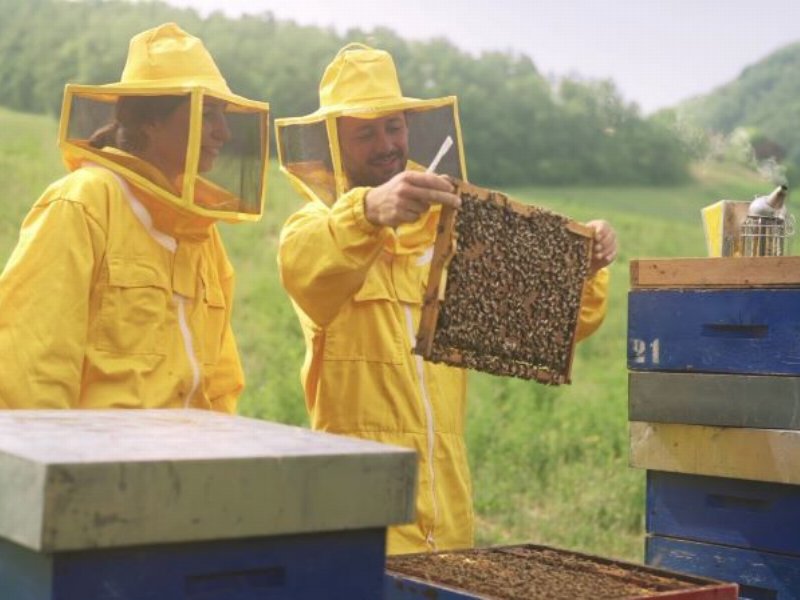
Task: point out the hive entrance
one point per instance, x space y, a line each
505 287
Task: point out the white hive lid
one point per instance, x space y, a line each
104 478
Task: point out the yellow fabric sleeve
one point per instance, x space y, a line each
44 306
594 303
325 253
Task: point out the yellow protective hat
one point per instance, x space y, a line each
168 61
360 81
167 55
168 58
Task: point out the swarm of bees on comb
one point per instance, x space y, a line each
505 287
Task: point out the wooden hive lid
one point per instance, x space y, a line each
725 272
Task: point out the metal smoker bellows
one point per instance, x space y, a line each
767 226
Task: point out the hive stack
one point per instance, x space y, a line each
714 405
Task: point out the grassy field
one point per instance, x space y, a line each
549 464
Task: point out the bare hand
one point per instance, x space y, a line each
604 246
406 197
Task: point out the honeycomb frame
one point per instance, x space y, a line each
510 328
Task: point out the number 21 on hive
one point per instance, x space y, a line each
643 352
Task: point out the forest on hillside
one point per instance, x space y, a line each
519 127
763 104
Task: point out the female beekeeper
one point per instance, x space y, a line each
119 291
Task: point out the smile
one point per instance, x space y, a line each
385 161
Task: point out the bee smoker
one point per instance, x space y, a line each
767 226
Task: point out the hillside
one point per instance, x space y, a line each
764 98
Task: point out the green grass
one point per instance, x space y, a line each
549 464
29 161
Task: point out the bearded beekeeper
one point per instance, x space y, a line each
355 261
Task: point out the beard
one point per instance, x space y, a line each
378 169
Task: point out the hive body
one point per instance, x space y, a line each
192 505
536 572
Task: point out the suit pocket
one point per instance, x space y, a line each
369 328
214 319
135 307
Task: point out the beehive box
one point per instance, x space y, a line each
716 315
537 572
192 505
504 288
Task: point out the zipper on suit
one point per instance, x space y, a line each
188 344
431 439
170 243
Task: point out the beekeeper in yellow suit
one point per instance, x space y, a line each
355 261
119 291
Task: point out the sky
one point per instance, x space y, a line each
658 52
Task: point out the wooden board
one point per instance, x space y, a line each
727 272
739 453
504 288
760 575
715 331
733 512
760 401
82 479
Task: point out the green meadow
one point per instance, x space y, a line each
550 465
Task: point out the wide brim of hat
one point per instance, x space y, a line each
110 92
371 109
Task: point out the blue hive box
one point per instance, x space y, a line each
192 505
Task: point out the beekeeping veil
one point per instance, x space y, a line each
166 62
362 82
